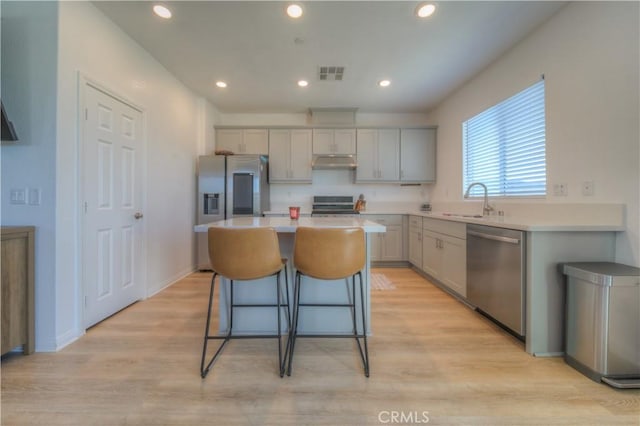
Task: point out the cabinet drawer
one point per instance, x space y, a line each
455 229
385 219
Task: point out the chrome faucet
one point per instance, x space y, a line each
486 208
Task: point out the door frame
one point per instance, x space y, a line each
84 81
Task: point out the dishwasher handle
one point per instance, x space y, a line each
494 237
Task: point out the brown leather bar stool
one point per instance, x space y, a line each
245 254
330 254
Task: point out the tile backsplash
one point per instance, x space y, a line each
341 182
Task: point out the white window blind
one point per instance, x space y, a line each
504 146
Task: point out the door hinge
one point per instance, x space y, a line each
85 301
85 206
86 113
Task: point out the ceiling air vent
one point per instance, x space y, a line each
330 73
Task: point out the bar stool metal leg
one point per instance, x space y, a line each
205 370
365 355
294 330
362 346
283 360
282 354
228 248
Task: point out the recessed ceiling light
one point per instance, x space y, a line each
221 84
162 11
424 10
294 10
384 83
303 83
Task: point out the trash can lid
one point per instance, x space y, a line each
603 273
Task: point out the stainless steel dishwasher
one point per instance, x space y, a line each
496 274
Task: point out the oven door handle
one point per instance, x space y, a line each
494 237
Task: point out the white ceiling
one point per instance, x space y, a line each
252 46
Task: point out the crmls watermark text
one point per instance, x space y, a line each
403 417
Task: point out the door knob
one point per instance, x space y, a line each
138 215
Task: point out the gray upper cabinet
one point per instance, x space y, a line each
378 155
243 141
290 156
417 155
334 141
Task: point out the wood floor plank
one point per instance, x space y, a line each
430 355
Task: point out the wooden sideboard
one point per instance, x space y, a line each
18 316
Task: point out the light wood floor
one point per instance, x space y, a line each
431 359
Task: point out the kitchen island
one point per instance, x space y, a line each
320 321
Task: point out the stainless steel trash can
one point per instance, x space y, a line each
602 335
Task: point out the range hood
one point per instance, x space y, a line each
334 161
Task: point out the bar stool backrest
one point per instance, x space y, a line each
244 253
329 253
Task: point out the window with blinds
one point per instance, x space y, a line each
504 147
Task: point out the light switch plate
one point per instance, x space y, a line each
18 196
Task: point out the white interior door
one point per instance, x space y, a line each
112 158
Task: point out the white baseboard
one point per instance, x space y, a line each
172 280
66 339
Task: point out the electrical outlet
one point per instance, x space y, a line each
587 188
34 196
560 190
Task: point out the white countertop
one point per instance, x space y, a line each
558 224
543 217
284 224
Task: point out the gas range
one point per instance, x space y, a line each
333 205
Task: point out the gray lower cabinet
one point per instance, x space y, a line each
415 241
388 246
444 253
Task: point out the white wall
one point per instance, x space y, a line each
335 182
29 49
92 45
589 54
209 116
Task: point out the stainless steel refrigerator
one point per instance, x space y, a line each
229 186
